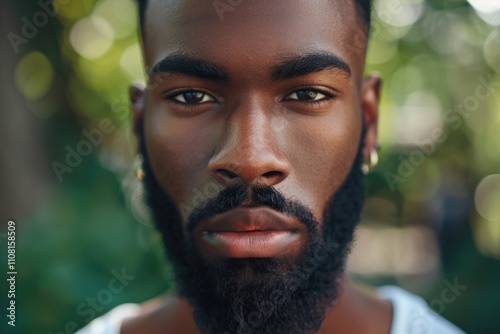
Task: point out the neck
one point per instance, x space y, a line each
357 310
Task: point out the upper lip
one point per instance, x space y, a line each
250 219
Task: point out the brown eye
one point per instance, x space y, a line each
193 97
306 95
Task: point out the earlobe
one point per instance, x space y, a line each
370 102
137 94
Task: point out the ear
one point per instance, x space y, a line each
370 98
137 95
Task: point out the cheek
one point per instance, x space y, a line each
177 150
324 151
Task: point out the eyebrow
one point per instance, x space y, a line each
182 64
288 68
306 64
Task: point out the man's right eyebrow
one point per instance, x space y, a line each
193 67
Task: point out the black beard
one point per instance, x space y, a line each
260 295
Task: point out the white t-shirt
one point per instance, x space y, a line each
411 316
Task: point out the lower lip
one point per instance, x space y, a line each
251 244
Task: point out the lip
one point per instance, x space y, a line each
250 232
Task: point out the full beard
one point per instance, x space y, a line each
260 295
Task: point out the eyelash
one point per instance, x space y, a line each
170 97
328 96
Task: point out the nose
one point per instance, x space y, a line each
249 151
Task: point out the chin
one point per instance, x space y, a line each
289 293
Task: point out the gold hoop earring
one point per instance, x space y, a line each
137 165
372 162
139 174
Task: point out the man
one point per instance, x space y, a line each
255 127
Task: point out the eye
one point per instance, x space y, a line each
307 95
192 97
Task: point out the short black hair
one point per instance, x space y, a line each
364 8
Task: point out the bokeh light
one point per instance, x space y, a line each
34 75
131 63
487 198
487 10
120 14
491 50
399 13
92 36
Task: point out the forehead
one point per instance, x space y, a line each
249 34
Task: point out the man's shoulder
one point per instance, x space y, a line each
153 316
111 322
412 315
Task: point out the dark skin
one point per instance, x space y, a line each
296 132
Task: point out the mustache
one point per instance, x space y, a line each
237 194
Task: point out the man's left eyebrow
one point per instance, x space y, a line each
306 64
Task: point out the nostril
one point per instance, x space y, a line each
272 174
226 173
273 177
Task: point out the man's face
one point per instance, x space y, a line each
261 103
